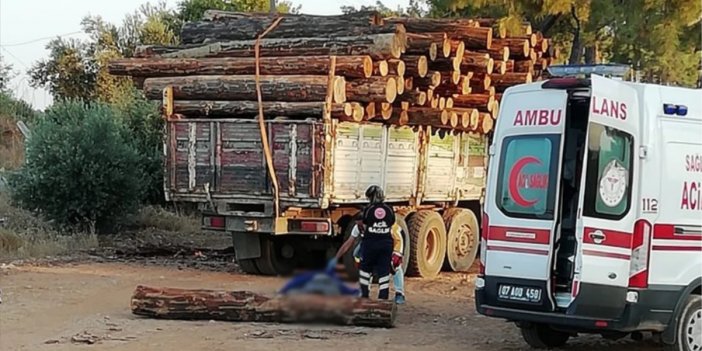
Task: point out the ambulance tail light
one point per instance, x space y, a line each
640 251
483 241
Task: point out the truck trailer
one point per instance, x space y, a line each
434 179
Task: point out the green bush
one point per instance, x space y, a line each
81 171
144 126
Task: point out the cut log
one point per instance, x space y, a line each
363 17
428 25
497 53
370 111
427 116
480 81
465 116
398 118
297 26
518 48
500 67
349 66
461 29
524 66
445 64
204 108
273 88
477 101
498 26
486 123
482 90
244 306
442 103
400 82
416 66
454 119
414 97
432 80
423 44
380 68
452 48
509 66
385 110
449 102
378 46
354 112
397 67
409 83
372 89
495 109
504 81
477 64
450 87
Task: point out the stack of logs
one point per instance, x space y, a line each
445 73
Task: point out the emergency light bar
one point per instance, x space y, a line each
609 69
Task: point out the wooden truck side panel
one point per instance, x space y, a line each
223 160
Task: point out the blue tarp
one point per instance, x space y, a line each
318 282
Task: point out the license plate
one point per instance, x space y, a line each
519 293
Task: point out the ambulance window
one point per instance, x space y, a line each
527 176
608 178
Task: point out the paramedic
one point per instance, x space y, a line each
376 222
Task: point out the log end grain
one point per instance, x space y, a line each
391 90
400 85
385 110
445 117
433 51
381 68
453 119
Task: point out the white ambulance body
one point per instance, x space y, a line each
593 214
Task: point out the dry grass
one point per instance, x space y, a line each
24 235
151 217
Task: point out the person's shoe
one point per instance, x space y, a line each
399 299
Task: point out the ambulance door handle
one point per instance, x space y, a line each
597 236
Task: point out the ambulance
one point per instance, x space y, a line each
592 220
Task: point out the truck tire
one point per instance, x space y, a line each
248 266
272 260
427 244
688 328
540 336
463 238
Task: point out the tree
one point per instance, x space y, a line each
660 39
192 10
68 73
6 74
413 10
80 172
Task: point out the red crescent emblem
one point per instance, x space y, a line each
514 181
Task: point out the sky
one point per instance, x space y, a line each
26 26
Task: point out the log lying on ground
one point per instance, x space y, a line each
244 306
273 88
348 66
378 46
296 26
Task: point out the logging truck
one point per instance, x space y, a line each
434 179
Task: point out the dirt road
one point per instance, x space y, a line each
67 307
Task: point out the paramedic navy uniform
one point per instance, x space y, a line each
377 246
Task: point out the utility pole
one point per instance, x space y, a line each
272 4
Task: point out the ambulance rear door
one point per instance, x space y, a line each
607 208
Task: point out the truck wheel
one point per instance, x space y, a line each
463 238
427 244
688 331
406 241
276 257
248 266
541 336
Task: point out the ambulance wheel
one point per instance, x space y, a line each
540 336
688 331
463 238
427 244
248 266
277 258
